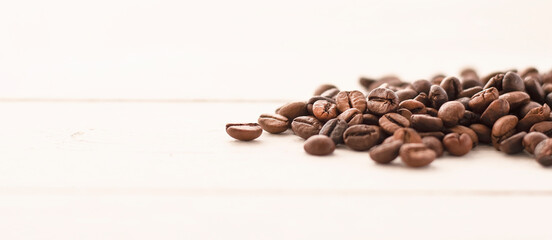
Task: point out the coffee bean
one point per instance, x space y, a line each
543 152
386 152
512 82
366 82
487 77
382 101
387 80
426 123
330 93
434 144
273 123
534 116
494 111
361 137
547 88
495 82
407 135
464 130
390 122
334 129
413 106
483 132
465 101
529 72
416 155
437 96
423 98
312 100
457 145
548 99
530 141
470 92
534 89
527 107
322 88
432 112
319 145
244 131
438 135
293 109
305 126
451 112
503 128
452 87
350 99
352 116
324 110
421 86
405 94
468 75
481 100
370 119
513 145
543 127
437 79
516 99
404 112
469 118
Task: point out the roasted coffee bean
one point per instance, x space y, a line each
370 119
352 116
405 94
293 109
334 129
494 111
350 99
421 86
437 79
457 145
382 101
495 82
512 82
547 77
305 126
386 152
470 92
438 135
361 137
330 93
434 144
452 87
451 112
543 152
426 123
273 123
324 110
423 98
437 96
244 131
543 127
513 145
416 155
534 89
464 130
404 112
530 141
432 112
387 80
530 71
407 135
413 106
483 132
319 145
481 100
469 74
366 82
548 99
469 118
322 88
465 101
486 78
547 88
503 128
390 122
534 116
516 99
312 100
527 107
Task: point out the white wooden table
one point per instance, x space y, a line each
167 170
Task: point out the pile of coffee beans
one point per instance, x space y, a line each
421 120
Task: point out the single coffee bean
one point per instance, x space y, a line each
330 93
543 152
413 106
312 100
390 122
352 116
244 131
334 129
273 123
464 130
481 100
421 86
452 87
437 96
388 80
322 88
324 110
503 128
438 135
382 101
423 98
416 155
469 118
293 109
457 145
516 99
434 144
404 112
370 119
534 89
470 92
432 112
465 101
487 78
361 137
366 82
527 107
530 141
426 123
350 99
407 135
386 152
469 74
451 112
530 71
494 111
543 127
305 126
495 82
405 94
512 82
513 145
437 79
534 116
319 145
483 132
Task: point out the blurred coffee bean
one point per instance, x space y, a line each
413 106
451 112
407 135
534 89
421 86
322 88
543 152
464 130
319 145
438 135
244 131
512 82
452 87
483 132
434 144
513 145
370 119
390 122
503 128
469 92
530 141
416 155
405 94
534 116
543 127
293 109
527 107
457 145
495 82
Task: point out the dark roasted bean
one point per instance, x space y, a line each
437 96
483 132
426 123
494 111
512 82
452 87
513 145
382 101
543 152
516 99
531 140
334 129
503 128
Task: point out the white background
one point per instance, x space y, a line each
255 49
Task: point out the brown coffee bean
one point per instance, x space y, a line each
464 130
547 88
516 99
437 79
470 92
312 100
469 118
467 75
350 99
386 152
382 101
481 100
434 144
416 155
534 89
452 87
438 135
322 88
319 145
407 135
423 98
426 123
495 82
404 112
530 71
390 122
451 112
421 86
527 107
513 144
457 145
543 152
543 127
465 101
244 131
548 98
487 78
334 129
330 93
437 96
366 82
293 109
413 106
432 112
324 110
386 80
483 132
512 82
361 137
531 140
273 123
405 94
503 128
306 126
494 111
534 116
352 116
370 119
